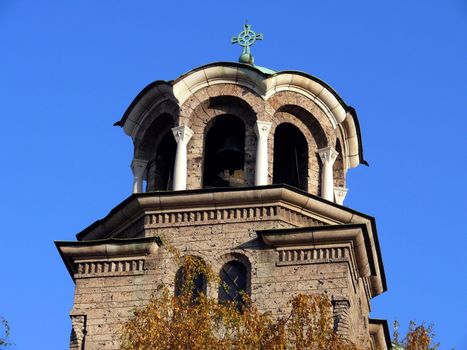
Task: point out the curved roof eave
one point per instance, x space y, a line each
348 109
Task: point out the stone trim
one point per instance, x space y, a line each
341 316
107 257
307 255
78 331
104 268
355 235
379 334
226 215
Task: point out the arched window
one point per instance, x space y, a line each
198 285
290 156
233 282
225 153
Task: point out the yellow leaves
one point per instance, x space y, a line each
419 337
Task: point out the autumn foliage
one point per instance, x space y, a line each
188 319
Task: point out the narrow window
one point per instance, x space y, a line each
164 162
290 156
233 282
225 153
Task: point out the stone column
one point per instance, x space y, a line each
138 167
328 155
262 129
182 135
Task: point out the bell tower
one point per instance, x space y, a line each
245 168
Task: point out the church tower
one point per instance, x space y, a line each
245 168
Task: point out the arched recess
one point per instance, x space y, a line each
290 165
315 136
196 287
224 153
158 147
234 280
204 106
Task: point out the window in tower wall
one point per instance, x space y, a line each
233 283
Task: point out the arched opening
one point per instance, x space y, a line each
233 286
164 162
197 284
158 146
290 156
225 153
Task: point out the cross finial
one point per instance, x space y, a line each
246 38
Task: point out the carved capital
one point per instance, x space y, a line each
339 194
182 133
328 155
262 129
138 167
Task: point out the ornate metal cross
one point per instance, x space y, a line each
246 38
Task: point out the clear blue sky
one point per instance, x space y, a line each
69 69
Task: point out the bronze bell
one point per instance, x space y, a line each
231 144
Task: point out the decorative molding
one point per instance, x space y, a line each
234 215
291 256
78 332
109 257
328 154
101 268
262 128
307 245
298 256
341 316
182 133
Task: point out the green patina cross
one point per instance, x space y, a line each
246 38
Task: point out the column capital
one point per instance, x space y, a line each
339 194
182 133
262 128
328 154
138 166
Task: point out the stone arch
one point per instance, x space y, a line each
150 126
224 152
315 136
282 99
199 111
290 164
158 148
235 258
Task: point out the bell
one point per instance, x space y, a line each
231 145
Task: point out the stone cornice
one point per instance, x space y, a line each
118 250
357 235
206 202
302 202
379 331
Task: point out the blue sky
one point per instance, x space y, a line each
69 69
